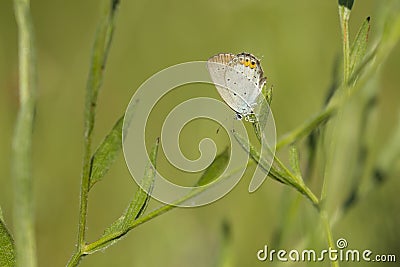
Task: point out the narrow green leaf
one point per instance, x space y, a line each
279 172
106 153
215 169
359 46
344 16
139 203
362 66
7 250
249 148
307 127
100 51
264 111
267 93
115 226
129 116
294 161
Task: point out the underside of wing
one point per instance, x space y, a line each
217 66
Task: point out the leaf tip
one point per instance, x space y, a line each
346 3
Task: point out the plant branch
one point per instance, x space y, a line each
328 233
99 57
307 127
297 183
114 236
22 142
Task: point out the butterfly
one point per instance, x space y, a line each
239 80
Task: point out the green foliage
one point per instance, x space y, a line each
142 197
278 170
215 169
359 46
101 47
100 51
7 250
139 203
355 65
132 216
22 140
359 67
105 154
294 161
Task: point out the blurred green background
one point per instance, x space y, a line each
298 42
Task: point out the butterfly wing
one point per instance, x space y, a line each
217 66
245 78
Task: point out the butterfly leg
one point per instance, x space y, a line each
238 116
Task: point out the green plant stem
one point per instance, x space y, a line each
334 104
301 187
344 16
22 143
282 173
92 247
328 233
299 184
307 126
99 56
99 244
